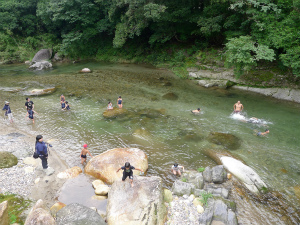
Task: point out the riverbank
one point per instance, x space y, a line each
27 178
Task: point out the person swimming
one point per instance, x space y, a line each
259 133
196 111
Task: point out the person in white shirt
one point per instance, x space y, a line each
176 169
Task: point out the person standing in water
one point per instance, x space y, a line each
29 104
120 102
176 169
8 112
127 172
41 150
83 153
67 107
238 107
63 105
62 99
30 113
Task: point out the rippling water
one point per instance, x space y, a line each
165 129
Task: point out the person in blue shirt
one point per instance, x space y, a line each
8 111
41 150
128 172
67 106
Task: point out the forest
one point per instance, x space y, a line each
246 32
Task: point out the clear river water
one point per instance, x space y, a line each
164 128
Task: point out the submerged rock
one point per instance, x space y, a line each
85 70
105 165
41 65
115 112
138 205
7 160
77 214
170 96
229 141
41 91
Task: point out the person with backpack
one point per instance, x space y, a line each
41 150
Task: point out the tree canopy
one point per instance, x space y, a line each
250 30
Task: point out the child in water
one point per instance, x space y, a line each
120 101
83 153
67 106
30 113
262 133
196 111
63 104
128 172
176 169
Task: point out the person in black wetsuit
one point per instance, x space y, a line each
128 172
29 104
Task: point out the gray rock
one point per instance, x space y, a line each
4 213
41 55
220 211
57 57
225 193
198 192
141 204
207 174
41 65
194 177
182 188
218 174
231 218
76 214
206 217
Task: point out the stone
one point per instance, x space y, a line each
213 83
191 197
170 96
297 191
200 209
105 165
102 190
85 70
39 215
77 214
7 160
37 180
207 174
220 211
49 171
146 207
168 197
114 113
218 174
41 91
27 62
29 169
215 222
244 173
182 188
4 219
198 201
41 55
70 173
231 218
206 216
99 197
194 177
224 193
31 161
199 192
228 141
96 183
41 65
56 207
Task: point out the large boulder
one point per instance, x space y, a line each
182 188
4 213
219 175
77 214
39 215
138 205
70 173
7 160
42 55
207 174
105 165
228 141
194 177
41 65
244 173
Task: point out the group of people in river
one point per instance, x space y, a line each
119 102
64 104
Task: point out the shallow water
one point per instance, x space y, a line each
165 129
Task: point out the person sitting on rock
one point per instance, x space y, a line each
196 111
127 172
109 106
176 169
83 153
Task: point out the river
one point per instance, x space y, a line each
165 129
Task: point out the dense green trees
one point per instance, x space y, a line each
250 30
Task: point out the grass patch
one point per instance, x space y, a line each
16 205
200 169
184 179
205 197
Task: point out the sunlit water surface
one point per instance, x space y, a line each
165 130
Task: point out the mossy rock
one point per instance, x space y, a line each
115 112
170 96
228 141
7 160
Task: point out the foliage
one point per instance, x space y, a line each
184 179
200 169
16 205
205 197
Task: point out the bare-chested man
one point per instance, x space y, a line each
238 107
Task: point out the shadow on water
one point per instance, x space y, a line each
159 119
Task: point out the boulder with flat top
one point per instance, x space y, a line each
42 55
141 204
105 165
